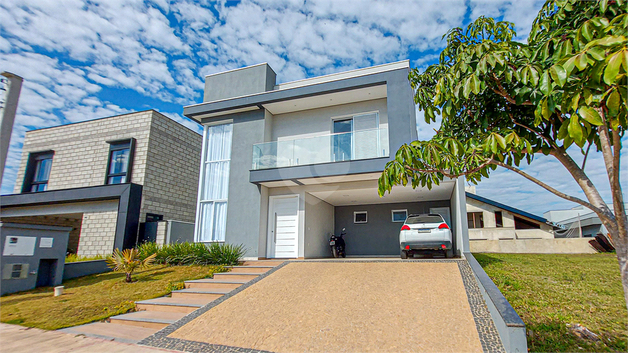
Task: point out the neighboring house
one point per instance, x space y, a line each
285 165
491 220
109 179
577 222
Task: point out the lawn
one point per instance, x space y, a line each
95 297
551 291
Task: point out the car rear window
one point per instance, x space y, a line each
424 219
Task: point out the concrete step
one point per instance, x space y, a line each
250 269
149 319
110 331
210 284
228 276
177 305
262 263
200 293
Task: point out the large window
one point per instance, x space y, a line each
475 220
214 184
38 172
120 162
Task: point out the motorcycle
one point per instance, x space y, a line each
337 244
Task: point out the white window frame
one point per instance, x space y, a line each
202 176
392 215
361 212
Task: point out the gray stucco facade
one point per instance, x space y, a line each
48 254
256 106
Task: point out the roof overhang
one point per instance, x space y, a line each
352 89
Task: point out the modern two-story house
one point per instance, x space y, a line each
115 181
286 165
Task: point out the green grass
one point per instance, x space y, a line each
551 291
77 258
96 297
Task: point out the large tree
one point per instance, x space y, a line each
504 102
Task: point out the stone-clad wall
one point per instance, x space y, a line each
82 152
172 169
98 233
166 162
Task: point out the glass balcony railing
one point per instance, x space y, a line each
349 146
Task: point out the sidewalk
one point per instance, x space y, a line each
18 339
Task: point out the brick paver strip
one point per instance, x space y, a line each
297 309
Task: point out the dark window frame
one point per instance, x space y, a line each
33 160
499 219
478 222
118 145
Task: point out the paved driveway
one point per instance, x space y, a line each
420 306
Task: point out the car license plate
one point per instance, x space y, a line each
423 230
332 243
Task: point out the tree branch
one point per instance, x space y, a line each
546 187
550 142
584 161
502 92
448 174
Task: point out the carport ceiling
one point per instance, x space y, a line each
369 196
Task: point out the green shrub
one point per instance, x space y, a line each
193 253
146 249
77 258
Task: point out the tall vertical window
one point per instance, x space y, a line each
120 162
38 172
214 187
499 219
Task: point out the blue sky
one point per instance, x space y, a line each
86 60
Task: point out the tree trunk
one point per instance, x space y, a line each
128 277
621 248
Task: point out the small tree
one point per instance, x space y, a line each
128 261
503 102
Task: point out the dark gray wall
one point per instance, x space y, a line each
180 232
84 268
240 82
243 210
380 235
59 247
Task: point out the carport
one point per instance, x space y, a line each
300 215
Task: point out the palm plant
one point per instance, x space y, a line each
128 261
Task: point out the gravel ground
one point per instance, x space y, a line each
345 307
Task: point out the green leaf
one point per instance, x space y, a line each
545 110
534 76
581 61
612 103
545 84
574 102
575 129
596 53
500 140
612 69
603 5
477 85
467 88
590 115
558 74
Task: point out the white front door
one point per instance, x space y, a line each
283 226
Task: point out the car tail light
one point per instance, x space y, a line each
405 227
443 226
443 246
407 247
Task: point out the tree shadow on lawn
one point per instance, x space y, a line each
550 335
485 259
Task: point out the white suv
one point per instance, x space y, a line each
425 232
